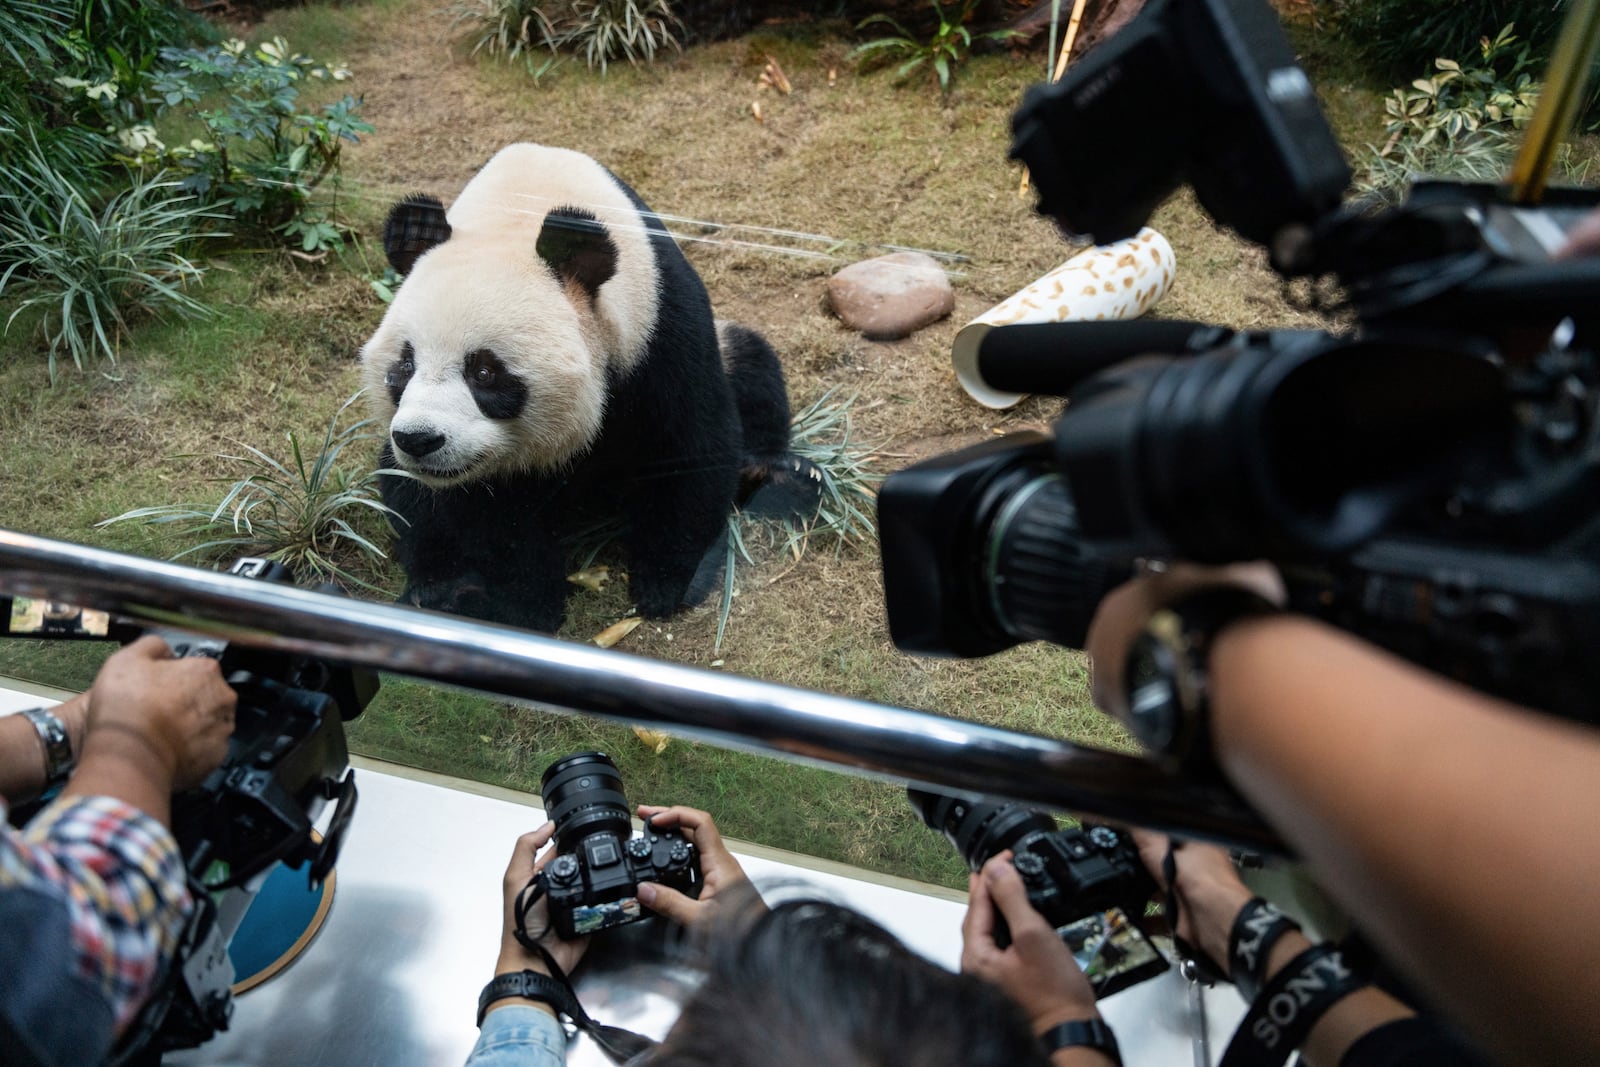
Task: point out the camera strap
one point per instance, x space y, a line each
618 1044
1284 1013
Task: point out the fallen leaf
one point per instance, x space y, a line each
486 739
591 578
657 740
617 631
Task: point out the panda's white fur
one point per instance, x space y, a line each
487 288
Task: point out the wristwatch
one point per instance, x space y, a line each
1166 677
530 985
58 760
1084 1033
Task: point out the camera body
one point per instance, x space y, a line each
1089 883
592 883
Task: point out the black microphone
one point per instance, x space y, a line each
1053 357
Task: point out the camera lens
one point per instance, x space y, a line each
976 828
1040 579
582 796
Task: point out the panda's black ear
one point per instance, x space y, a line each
414 225
578 248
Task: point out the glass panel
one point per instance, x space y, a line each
580 449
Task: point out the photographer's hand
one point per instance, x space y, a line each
156 725
1209 890
718 868
1036 970
525 864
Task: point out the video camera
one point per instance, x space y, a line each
1427 479
1088 883
593 881
286 761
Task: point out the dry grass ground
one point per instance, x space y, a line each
848 157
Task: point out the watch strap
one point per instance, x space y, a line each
1188 629
58 759
528 985
1082 1033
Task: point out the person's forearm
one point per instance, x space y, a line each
21 760
1458 831
123 764
22 755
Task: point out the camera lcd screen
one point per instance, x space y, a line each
31 617
1113 952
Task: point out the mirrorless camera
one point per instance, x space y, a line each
1428 478
1088 883
593 882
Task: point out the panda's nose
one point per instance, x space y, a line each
418 443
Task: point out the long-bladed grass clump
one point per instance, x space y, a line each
822 435
89 268
303 513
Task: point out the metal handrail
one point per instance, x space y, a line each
919 747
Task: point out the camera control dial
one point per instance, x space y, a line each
1031 867
564 869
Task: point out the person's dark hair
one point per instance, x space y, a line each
811 982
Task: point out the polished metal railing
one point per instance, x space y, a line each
931 750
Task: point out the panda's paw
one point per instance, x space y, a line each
658 595
784 487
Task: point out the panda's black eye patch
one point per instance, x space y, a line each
400 372
498 393
483 367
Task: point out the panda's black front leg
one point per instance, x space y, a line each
673 523
464 557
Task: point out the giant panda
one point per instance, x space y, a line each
551 361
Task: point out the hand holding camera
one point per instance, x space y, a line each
718 868
1034 967
592 881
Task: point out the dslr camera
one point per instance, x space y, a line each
592 884
1088 883
1427 478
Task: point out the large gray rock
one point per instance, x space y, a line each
889 297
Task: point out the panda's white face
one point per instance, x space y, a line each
495 355
484 365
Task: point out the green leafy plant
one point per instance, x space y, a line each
302 513
91 267
948 47
39 50
821 434
1463 121
263 155
1397 36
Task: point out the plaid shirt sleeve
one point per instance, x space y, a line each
120 878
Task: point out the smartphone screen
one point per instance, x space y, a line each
1113 952
29 617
